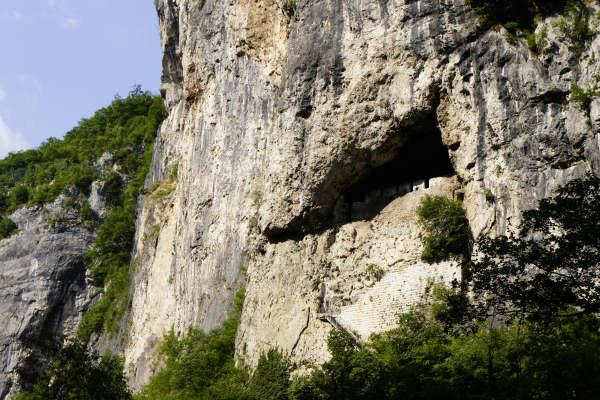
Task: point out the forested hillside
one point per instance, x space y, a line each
125 130
105 157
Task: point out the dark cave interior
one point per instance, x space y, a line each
423 157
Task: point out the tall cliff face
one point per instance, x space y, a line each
305 135
44 291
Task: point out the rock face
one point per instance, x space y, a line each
305 137
43 282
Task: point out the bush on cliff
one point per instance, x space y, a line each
518 13
519 18
446 229
7 227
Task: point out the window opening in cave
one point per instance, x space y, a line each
423 157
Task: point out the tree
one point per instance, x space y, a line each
19 195
446 228
77 373
551 266
271 379
7 227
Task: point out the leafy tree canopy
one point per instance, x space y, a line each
7 227
125 129
552 265
446 229
77 373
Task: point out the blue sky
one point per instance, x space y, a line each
63 59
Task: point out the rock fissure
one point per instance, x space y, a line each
301 332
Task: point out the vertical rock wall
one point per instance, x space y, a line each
276 114
43 286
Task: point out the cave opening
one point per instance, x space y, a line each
421 158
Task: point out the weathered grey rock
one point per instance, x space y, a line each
297 136
43 288
97 198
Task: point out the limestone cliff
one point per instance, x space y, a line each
306 133
44 291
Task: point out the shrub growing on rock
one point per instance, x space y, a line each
446 229
7 227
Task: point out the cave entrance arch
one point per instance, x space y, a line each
421 158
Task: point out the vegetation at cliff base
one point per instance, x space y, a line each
449 347
77 373
200 365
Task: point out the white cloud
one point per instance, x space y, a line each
52 3
10 141
71 22
2 94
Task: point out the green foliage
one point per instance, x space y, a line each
582 98
316 285
551 265
106 313
113 189
352 372
574 27
289 6
489 196
516 14
420 359
200 365
78 373
87 215
125 129
256 197
450 306
303 388
271 380
151 234
375 272
172 171
446 228
160 194
536 42
519 17
7 227
18 196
